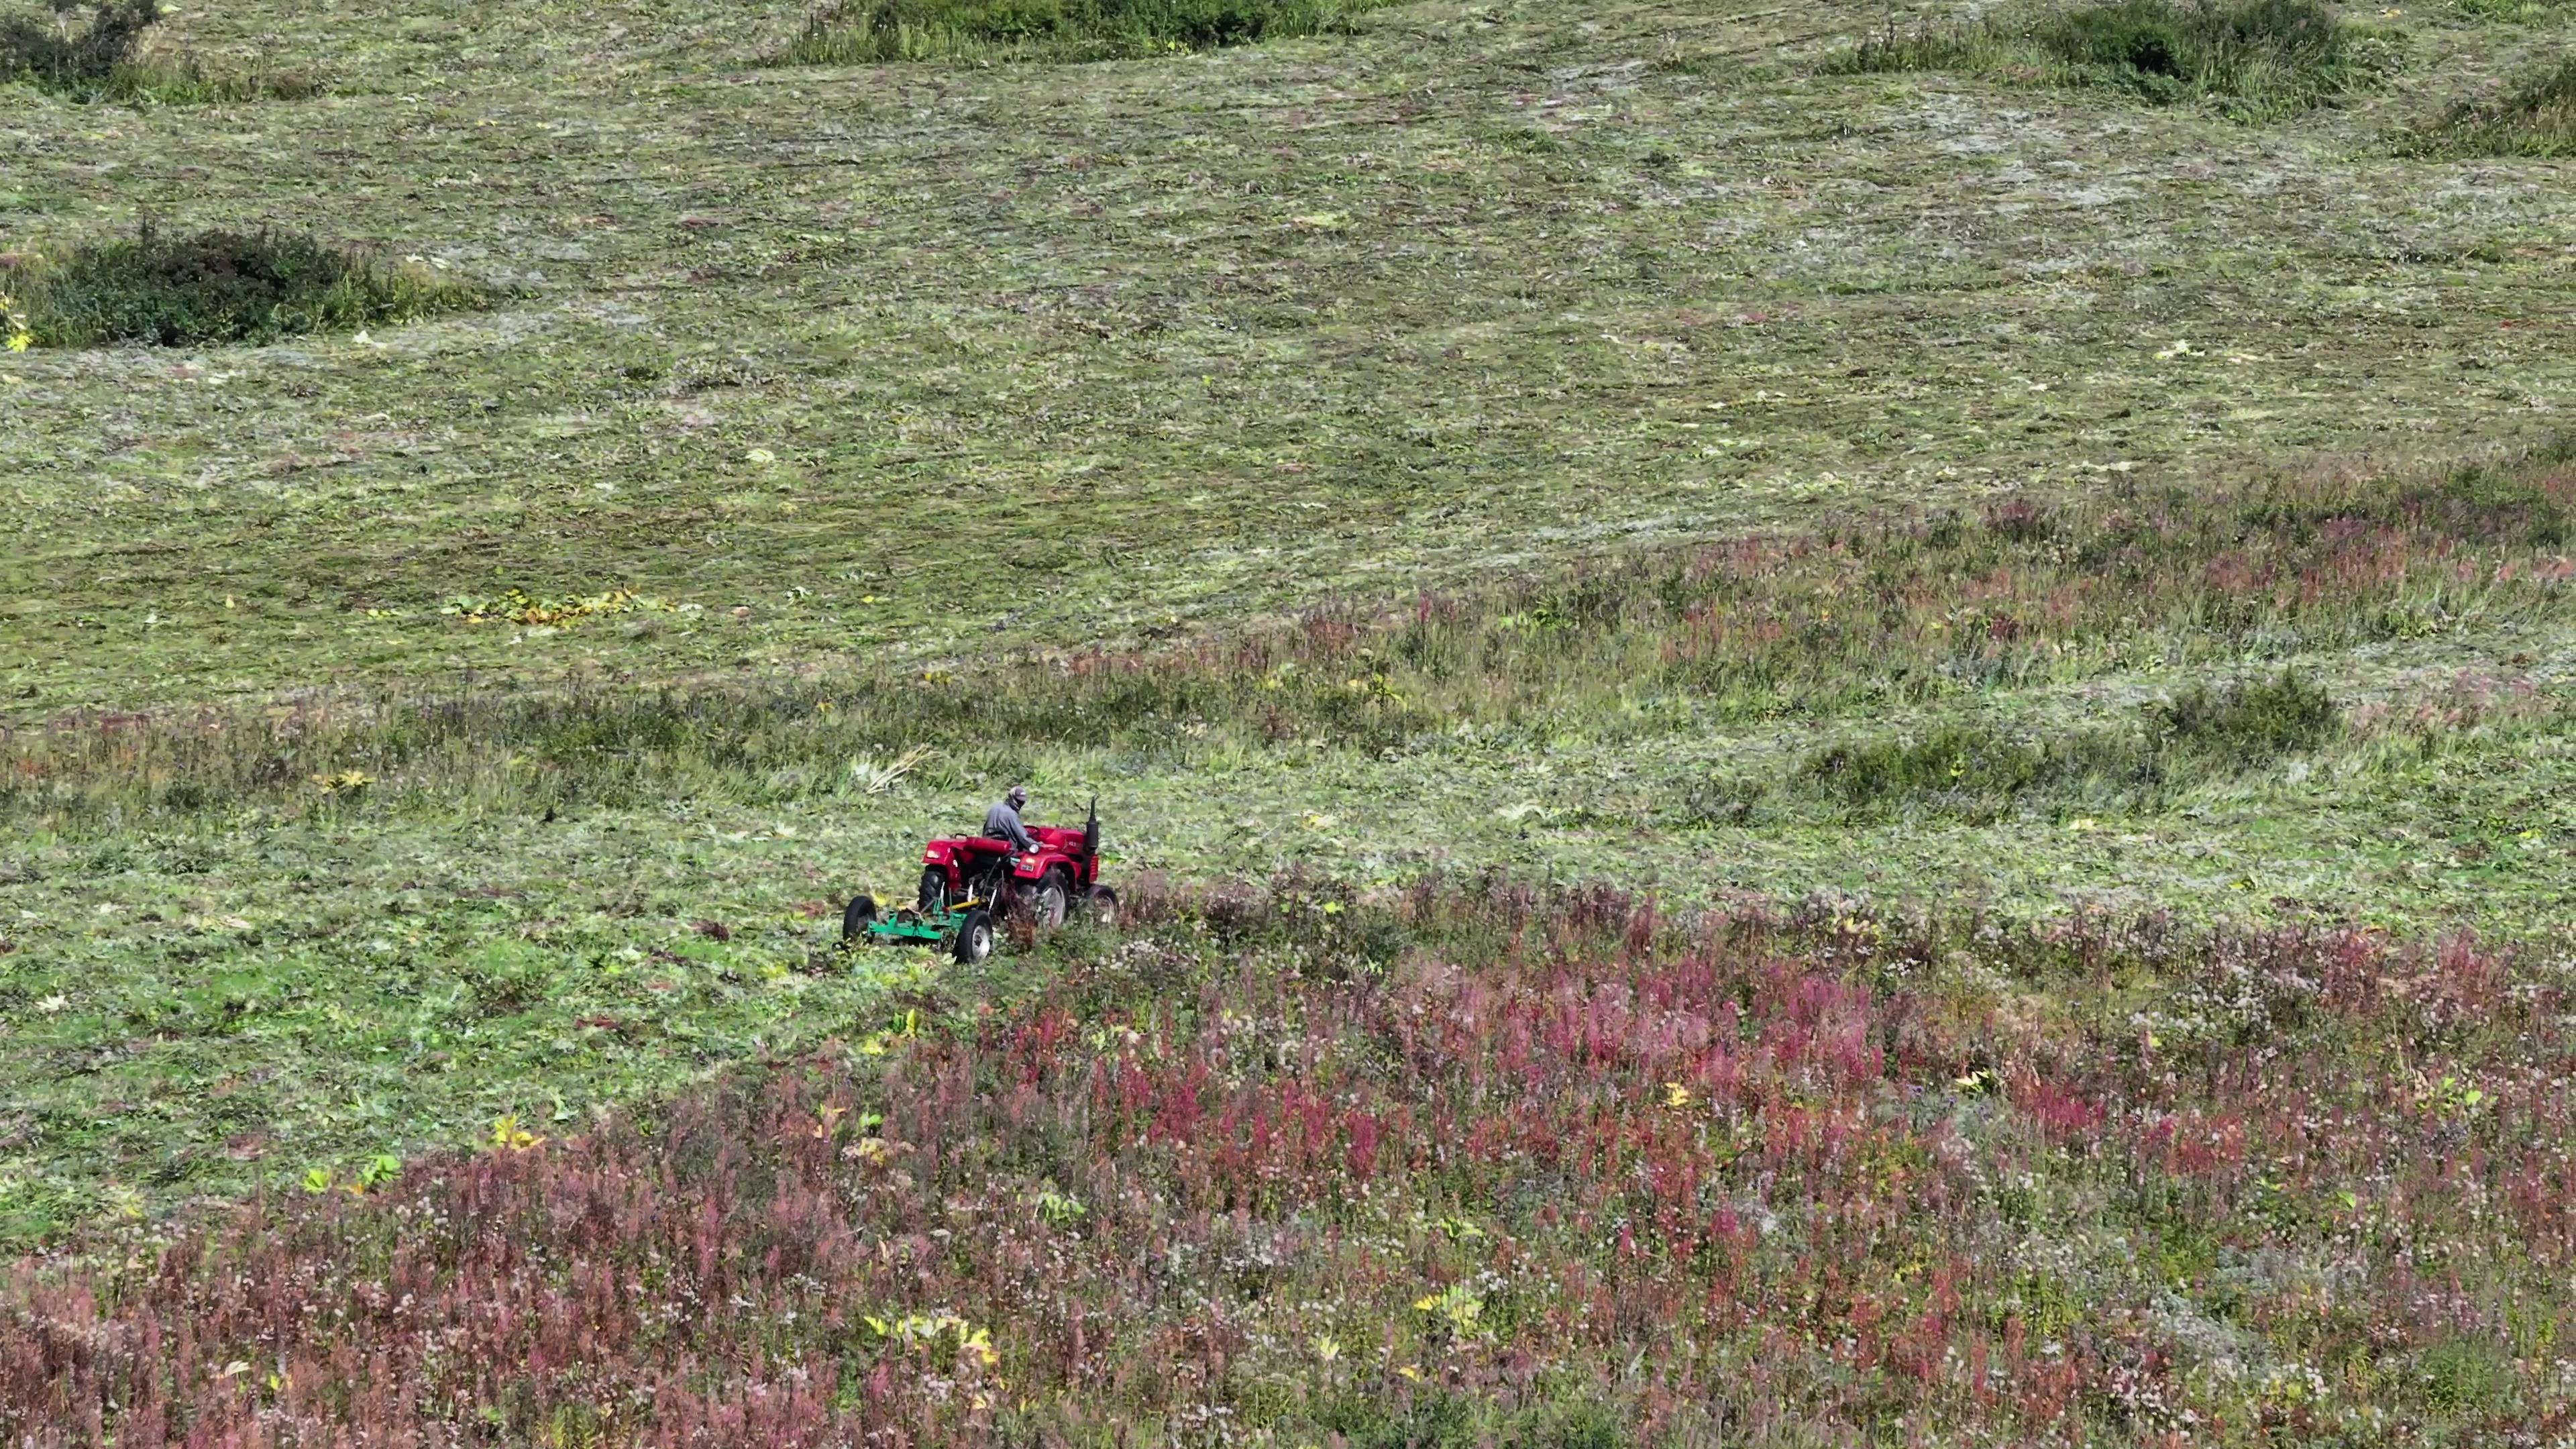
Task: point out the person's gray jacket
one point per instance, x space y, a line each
1003 823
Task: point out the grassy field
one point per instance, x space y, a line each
2323 698
1599 445
1038 356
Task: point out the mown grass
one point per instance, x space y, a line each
1882 616
218 286
867 32
2535 117
1478 1164
1094 330
2253 59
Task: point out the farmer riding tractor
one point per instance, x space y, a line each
971 884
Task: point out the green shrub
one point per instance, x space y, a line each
221 286
2252 59
64 55
862 32
2511 12
2536 118
1437 1419
94 50
1929 47
1978 771
2168 52
2465 1375
2250 721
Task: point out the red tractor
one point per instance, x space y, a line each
971 883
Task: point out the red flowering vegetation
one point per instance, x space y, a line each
1473 1167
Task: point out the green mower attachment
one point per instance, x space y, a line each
965 929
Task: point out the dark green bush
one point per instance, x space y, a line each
2147 44
871 31
1980 772
2280 54
2253 58
93 50
2481 502
67 54
2249 721
2536 118
1928 47
222 286
2511 12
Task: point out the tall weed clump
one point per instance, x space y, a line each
2536 118
2252 59
2249 722
863 32
165 289
1930 46
1984 771
99 50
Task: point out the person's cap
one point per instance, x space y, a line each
1018 793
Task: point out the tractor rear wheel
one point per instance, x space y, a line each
975 937
1054 896
1100 906
934 892
862 913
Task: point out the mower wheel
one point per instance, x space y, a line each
975 937
1054 896
861 915
1100 905
934 892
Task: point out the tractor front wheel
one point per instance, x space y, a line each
975 937
862 913
934 892
1054 897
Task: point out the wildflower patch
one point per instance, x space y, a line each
1764 1179
518 606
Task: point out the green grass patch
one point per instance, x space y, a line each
1930 46
2536 117
1054 30
101 50
220 286
1977 771
2511 12
2253 60
2250 722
